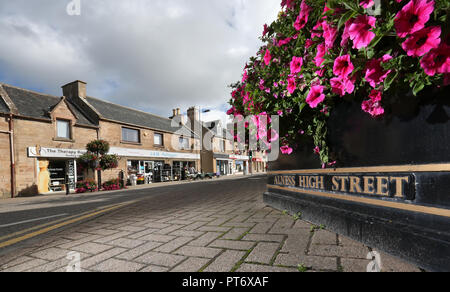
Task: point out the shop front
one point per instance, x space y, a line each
240 164
147 166
56 167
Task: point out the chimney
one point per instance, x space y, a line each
177 114
193 113
75 90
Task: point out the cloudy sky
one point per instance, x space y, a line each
154 55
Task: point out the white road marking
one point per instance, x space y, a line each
32 220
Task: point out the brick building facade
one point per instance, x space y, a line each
47 134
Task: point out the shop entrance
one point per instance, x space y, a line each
61 172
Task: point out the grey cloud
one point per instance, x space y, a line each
154 55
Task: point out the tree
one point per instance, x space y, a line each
98 159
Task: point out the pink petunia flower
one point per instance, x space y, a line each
245 76
413 17
321 51
302 19
366 3
422 41
346 33
437 60
373 105
267 57
315 96
286 150
291 85
375 74
342 86
296 65
266 30
343 66
329 34
317 150
360 31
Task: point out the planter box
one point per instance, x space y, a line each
391 189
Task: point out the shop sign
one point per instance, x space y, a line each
54 152
125 152
239 157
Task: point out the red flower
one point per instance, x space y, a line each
302 19
437 60
342 86
291 85
267 57
359 31
321 51
422 41
366 3
373 106
413 17
329 34
343 66
296 65
375 74
315 96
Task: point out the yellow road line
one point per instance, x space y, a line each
56 226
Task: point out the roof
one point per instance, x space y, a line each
115 112
37 105
3 107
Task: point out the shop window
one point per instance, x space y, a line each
131 135
63 129
158 139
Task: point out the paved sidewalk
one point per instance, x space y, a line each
215 227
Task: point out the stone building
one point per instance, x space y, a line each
41 136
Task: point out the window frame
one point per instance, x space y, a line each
69 130
132 129
184 143
162 139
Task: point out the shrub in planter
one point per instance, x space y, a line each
86 186
319 53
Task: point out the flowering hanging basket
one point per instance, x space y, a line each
364 134
318 54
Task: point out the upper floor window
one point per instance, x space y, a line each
158 139
63 129
131 135
222 146
184 143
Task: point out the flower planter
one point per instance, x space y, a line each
391 186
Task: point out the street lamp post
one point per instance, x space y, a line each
201 135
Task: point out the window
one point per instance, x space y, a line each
131 135
222 146
63 129
158 139
184 143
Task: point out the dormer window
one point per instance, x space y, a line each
63 129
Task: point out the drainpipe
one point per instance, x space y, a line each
13 163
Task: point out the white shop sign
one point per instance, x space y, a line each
239 157
55 152
73 153
152 154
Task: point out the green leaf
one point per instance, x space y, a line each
389 79
418 87
349 14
